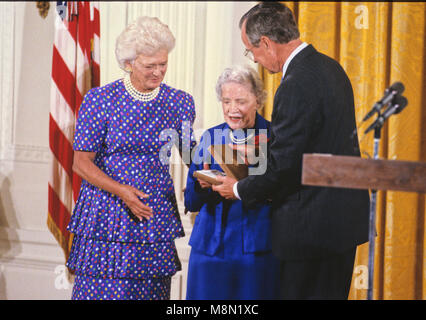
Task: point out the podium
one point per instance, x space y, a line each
358 173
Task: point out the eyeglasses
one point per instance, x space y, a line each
151 67
248 54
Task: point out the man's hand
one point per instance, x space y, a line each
226 188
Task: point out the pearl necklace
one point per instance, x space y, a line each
240 141
137 95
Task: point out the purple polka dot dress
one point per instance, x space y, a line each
113 255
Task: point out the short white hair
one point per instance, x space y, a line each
146 35
244 75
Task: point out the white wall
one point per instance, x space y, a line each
31 263
29 254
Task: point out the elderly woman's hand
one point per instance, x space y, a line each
130 196
205 184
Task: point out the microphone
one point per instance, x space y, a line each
395 89
396 107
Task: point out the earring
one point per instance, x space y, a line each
128 69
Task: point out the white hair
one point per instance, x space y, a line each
244 75
146 36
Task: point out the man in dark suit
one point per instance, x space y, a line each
315 230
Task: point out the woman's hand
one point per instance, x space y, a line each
130 195
205 184
83 165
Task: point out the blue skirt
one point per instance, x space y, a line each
251 276
231 273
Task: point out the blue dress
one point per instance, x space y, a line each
231 254
113 255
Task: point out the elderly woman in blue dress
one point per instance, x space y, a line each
231 254
125 220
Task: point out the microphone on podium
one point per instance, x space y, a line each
394 90
397 105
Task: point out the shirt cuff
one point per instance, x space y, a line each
235 189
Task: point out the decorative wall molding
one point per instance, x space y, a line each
7 74
22 153
31 266
8 149
29 248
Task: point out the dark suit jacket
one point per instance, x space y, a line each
313 113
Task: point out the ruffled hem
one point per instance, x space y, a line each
104 216
120 260
88 288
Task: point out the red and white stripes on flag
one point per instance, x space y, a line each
75 69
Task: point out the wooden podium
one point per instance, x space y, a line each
358 173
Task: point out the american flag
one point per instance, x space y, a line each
75 69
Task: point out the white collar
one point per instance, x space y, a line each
292 55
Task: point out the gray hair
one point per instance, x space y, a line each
271 19
144 36
246 76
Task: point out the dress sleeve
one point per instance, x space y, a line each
195 196
90 129
185 130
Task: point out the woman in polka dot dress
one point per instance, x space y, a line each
126 218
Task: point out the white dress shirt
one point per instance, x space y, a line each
286 64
